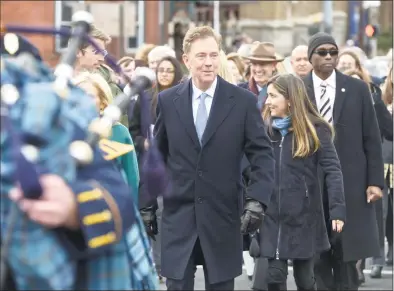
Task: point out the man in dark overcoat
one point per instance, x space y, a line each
204 127
346 103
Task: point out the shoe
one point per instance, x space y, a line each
361 279
376 272
360 273
389 257
161 279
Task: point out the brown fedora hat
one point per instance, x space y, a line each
263 52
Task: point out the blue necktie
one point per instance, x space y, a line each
262 97
202 116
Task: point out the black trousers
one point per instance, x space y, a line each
187 282
332 273
302 271
389 219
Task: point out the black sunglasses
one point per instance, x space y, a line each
324 52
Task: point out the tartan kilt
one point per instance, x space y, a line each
35 257
39 261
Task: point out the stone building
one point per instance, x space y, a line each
287 23
131 23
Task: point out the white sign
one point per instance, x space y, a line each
371 4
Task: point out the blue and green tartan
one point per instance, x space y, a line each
37 257
128 265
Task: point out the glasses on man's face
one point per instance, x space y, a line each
324 52
101 52
163 70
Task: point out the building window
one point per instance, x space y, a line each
131 25
63 14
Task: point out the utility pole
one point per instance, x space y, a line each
327 16
141 22
161 21
216 16
361 25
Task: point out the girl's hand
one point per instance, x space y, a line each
337 225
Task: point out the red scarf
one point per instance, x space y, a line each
253 86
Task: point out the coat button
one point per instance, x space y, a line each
199 200
200 173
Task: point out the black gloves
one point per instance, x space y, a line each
254 247
148 215
252 217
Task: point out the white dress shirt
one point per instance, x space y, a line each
330 91
208 100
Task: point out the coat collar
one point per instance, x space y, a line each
340 92
222 104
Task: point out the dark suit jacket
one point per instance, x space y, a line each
358 144
206 197
136 123
138 128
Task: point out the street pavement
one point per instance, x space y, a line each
242 282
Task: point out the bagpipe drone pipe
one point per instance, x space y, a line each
42 112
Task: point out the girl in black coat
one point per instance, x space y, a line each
294 226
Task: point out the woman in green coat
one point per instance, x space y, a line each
120 145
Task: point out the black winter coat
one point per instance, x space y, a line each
294 225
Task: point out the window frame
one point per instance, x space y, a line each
139 10
59 22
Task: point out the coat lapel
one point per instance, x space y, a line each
340 94
223 102
308 81
184 108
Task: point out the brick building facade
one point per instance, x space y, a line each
165 22
117 18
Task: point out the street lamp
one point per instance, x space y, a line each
327 16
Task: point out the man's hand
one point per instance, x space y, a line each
148 215
56 207
146 144
252 217
373 193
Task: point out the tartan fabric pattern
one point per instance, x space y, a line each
128 266
140 257
49 118
36 256
37 260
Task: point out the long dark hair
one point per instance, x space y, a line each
178 75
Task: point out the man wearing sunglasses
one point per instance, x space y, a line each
346 103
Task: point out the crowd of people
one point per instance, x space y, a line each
268 168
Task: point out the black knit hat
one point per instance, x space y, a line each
319 39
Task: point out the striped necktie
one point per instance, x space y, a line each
325 106
202 116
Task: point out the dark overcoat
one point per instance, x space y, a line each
206 199
294 225
358 144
